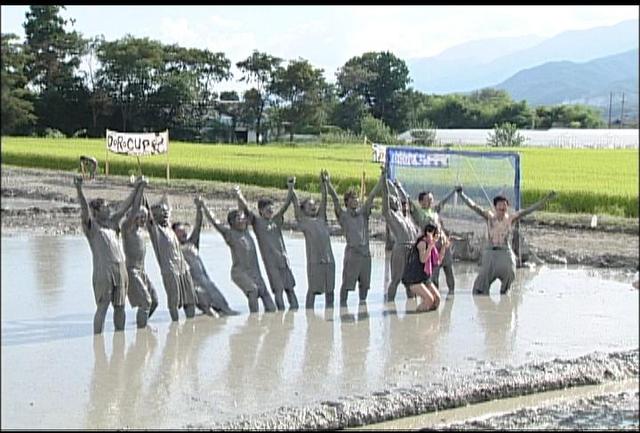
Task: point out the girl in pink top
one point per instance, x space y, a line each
421 263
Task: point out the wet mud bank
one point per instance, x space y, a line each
448 390
617 411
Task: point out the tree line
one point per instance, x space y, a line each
139 84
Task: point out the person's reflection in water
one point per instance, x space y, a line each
398 338
318 351
445 317
101 390
270 373
116 387
355 336
178 364
49 256
497 320
240 372
424 332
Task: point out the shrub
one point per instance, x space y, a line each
423 134
376 130
505 135
53 133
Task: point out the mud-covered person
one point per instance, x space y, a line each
141 293
245 269
209 298
404 232
498 258
101 226
267 226
354 220
176 276
312 221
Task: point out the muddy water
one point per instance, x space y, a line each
56 374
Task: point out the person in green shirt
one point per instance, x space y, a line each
425 212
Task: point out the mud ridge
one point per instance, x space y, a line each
451 390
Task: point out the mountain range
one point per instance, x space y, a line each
569 82
578 66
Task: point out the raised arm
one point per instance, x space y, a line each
130 218
278 216
194 237
444 200
524 212
474 207
151 222
403 196
243 205
393 190
334 196
368 203
128 202
294 198
385 198
84 206
224 231
324 180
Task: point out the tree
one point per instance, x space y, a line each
377 78
581 116
17 108
130 67
55 52
259 68
301 88
55 58
349 113
100 103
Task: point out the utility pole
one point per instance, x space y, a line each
622 112
610 98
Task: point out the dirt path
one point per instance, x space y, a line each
44 202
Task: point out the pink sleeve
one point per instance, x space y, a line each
433 258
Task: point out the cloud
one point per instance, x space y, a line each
224 23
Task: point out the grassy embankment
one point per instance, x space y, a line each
599 181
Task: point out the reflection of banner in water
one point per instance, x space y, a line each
146 143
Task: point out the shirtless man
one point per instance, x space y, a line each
312 222
176 276
141 293
267 226
404 232
498 259
208 295
101 226
245 270
354 220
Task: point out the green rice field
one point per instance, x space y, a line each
602 181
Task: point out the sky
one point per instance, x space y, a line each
327 36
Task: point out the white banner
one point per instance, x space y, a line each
145 143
